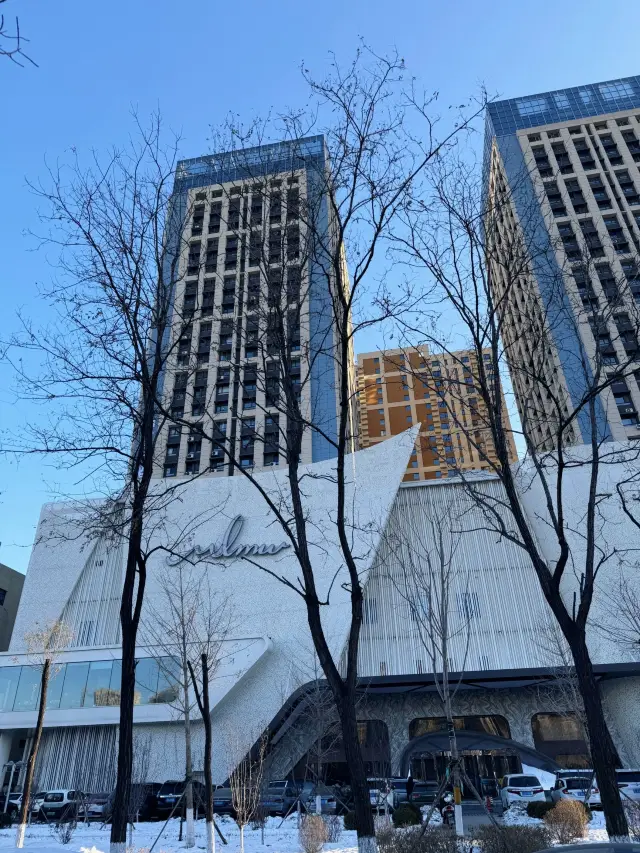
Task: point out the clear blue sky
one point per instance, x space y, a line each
197 61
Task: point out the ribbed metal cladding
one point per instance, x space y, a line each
92 611
81 757
496 607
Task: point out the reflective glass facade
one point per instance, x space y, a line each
564 105
85 684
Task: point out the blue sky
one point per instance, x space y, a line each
198 61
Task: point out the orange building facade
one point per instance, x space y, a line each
399 388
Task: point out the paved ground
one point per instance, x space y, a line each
475 815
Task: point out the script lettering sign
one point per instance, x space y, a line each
227 548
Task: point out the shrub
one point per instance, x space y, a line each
632 811
350 820
413 840
512 839
333 826
64 829
567 821
539 809
312 833
407 814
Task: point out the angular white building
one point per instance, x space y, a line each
510 708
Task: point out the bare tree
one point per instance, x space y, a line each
246 782
44 646
12 41
98 368
479 254
379 138
621 622
202 698
185 621
434 585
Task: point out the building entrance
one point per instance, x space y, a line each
485 768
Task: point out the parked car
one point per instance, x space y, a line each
15 803
95 807
575 788
381 794
328 804
424 793
629 784
521 788
143 803
58 805
170 793
280 796
223 801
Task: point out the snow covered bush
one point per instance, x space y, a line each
567 821
512 839
312 833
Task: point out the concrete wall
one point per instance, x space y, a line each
12 582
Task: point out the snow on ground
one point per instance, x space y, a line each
279 837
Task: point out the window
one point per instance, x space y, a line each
591 237
578 201
170 470
370 611
542 161
628 187
531 106
562 157
560 736
599 192
584 153
490 724
555 200
3 595
616 234
618 90
468 604
611 149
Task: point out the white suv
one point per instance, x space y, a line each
575 788
521 788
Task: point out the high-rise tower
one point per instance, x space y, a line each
567 164
253 303
445 402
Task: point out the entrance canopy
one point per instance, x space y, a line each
477 741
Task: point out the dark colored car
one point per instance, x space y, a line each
280 797
423 794
223 801
143 803
169 798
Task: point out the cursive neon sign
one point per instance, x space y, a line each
227 548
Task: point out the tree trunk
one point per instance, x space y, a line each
359 784
129 623
208 781
31 761
190 839
603 751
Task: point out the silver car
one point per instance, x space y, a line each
629 784
575 788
